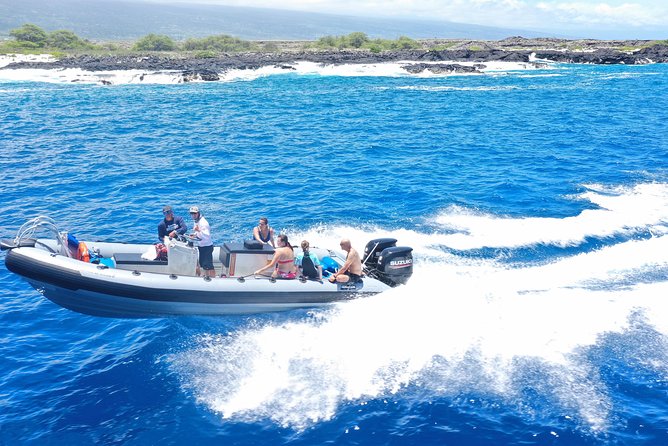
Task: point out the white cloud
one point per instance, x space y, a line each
633 14
516 14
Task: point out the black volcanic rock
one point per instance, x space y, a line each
441 68
200 75
209 69
602 56
655 53
477 55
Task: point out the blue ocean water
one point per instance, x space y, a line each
536 203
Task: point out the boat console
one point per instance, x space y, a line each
243 259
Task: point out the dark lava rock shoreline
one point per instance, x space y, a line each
416 60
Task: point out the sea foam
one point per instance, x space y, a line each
461 325
302 68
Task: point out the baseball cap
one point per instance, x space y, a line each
193 209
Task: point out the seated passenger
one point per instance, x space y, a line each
283 260
308 263
351 270
264 233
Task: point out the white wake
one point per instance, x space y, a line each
461 325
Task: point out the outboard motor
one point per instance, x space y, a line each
374 248
391 264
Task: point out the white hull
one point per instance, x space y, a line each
137 292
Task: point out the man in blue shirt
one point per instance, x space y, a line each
171 225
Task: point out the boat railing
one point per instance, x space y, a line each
41 222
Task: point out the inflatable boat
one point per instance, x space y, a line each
143 280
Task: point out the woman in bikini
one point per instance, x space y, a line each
284 260
263 232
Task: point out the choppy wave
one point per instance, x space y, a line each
619 210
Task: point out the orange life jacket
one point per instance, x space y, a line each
83 254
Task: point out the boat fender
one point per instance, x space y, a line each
107 261
329 265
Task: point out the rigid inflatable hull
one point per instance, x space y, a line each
94 290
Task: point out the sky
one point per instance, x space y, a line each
622 19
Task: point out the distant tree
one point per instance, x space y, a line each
357 39
326 42
30 33
406 43
66 40
375 48
155 42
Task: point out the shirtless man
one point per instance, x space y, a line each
351 271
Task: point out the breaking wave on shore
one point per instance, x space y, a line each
302 68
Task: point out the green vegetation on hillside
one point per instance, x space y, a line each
221 43
31 39
154 42
359 40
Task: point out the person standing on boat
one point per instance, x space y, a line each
263 232
284 260
202 233
351 270
171 225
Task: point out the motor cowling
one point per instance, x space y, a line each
395 265
387 262
374 248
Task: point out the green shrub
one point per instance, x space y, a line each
361 41
67 40
406 43
30 33
13 46
443 46
221 43
326 42
356 39
656 42
206 54
375 48
154 42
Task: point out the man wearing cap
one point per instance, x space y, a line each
171 225
202 233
